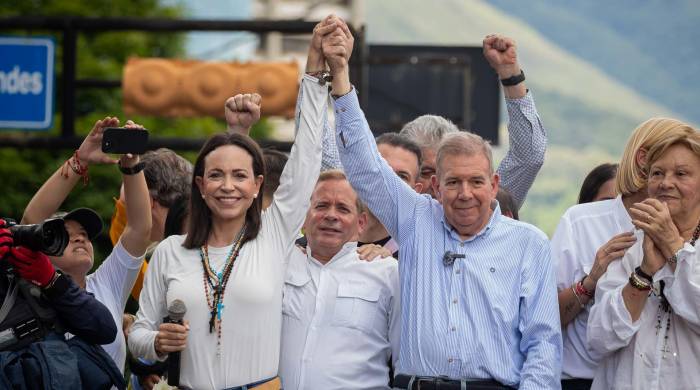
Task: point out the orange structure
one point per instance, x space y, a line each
182 88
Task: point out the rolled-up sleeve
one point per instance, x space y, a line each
527 146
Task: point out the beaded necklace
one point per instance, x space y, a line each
665 306
218 282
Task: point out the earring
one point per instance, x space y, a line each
203 196
255 195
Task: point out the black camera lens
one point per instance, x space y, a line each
49 236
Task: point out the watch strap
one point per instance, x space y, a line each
58 286
513 80
132 170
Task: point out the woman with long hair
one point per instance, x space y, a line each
229 268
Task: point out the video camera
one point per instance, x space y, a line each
49 236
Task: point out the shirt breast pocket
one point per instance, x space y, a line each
295 286
356 306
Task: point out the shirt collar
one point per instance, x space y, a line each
493 220
348 247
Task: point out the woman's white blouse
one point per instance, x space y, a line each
252 313
635 357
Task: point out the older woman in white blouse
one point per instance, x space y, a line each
646 320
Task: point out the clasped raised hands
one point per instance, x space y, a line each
337 46
654 218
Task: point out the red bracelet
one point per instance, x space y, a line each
582 290
76 167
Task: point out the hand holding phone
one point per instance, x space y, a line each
122 140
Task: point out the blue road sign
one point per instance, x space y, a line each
26 82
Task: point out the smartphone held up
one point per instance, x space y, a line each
122 140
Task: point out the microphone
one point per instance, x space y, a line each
176 311
449 258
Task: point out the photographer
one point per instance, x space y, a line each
36 310
115 277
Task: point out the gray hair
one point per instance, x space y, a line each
428 130
466 144
168 175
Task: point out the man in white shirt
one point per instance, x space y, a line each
340 326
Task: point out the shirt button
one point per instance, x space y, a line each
454 301
342 110
457 271
454 329
461 244
449 360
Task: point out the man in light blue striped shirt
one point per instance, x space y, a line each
479 300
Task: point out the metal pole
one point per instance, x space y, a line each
68 77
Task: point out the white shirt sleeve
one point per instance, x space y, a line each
610 325
395 315
291 200
151 306
563 252
116 276
683 287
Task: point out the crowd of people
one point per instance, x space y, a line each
357 262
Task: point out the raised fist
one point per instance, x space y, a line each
242 112
502 55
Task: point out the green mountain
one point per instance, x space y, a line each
588 113
650 46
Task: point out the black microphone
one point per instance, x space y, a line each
449 258
176 311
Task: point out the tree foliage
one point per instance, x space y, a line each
99 55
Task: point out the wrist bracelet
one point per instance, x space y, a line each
58 285
316 73
513 80
132 170
581 289
638 271
639 283
74 164
323 76
52 281
577 297
673 260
